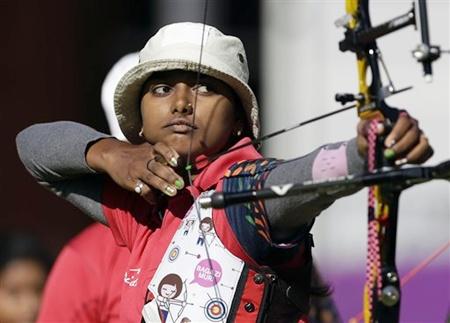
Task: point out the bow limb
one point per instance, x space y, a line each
382 290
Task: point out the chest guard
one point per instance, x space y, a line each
200 280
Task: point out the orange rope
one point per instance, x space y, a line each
408 276
413 272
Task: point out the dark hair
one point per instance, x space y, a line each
171 279
208 221
14 246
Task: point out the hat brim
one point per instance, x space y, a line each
127 95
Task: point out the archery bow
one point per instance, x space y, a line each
382 288
382 291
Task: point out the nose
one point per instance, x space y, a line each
183 99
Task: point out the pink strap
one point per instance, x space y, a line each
330 163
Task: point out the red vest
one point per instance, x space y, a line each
261 294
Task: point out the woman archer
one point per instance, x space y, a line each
177 112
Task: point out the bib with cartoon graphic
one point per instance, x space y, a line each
197 278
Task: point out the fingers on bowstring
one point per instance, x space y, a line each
156 176
166 153
144 186
156 172
145 191
137 185
163 177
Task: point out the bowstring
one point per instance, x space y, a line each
189 155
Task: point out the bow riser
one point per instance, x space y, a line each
382 290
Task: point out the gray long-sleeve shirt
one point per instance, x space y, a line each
54 154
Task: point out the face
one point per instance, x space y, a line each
21 284
168 290
167 109
205 227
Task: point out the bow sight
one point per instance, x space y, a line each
357 38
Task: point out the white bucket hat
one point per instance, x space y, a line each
177 46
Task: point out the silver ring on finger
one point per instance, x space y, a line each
139 187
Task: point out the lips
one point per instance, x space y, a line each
180 125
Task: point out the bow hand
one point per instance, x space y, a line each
405 143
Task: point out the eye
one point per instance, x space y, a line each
160 89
